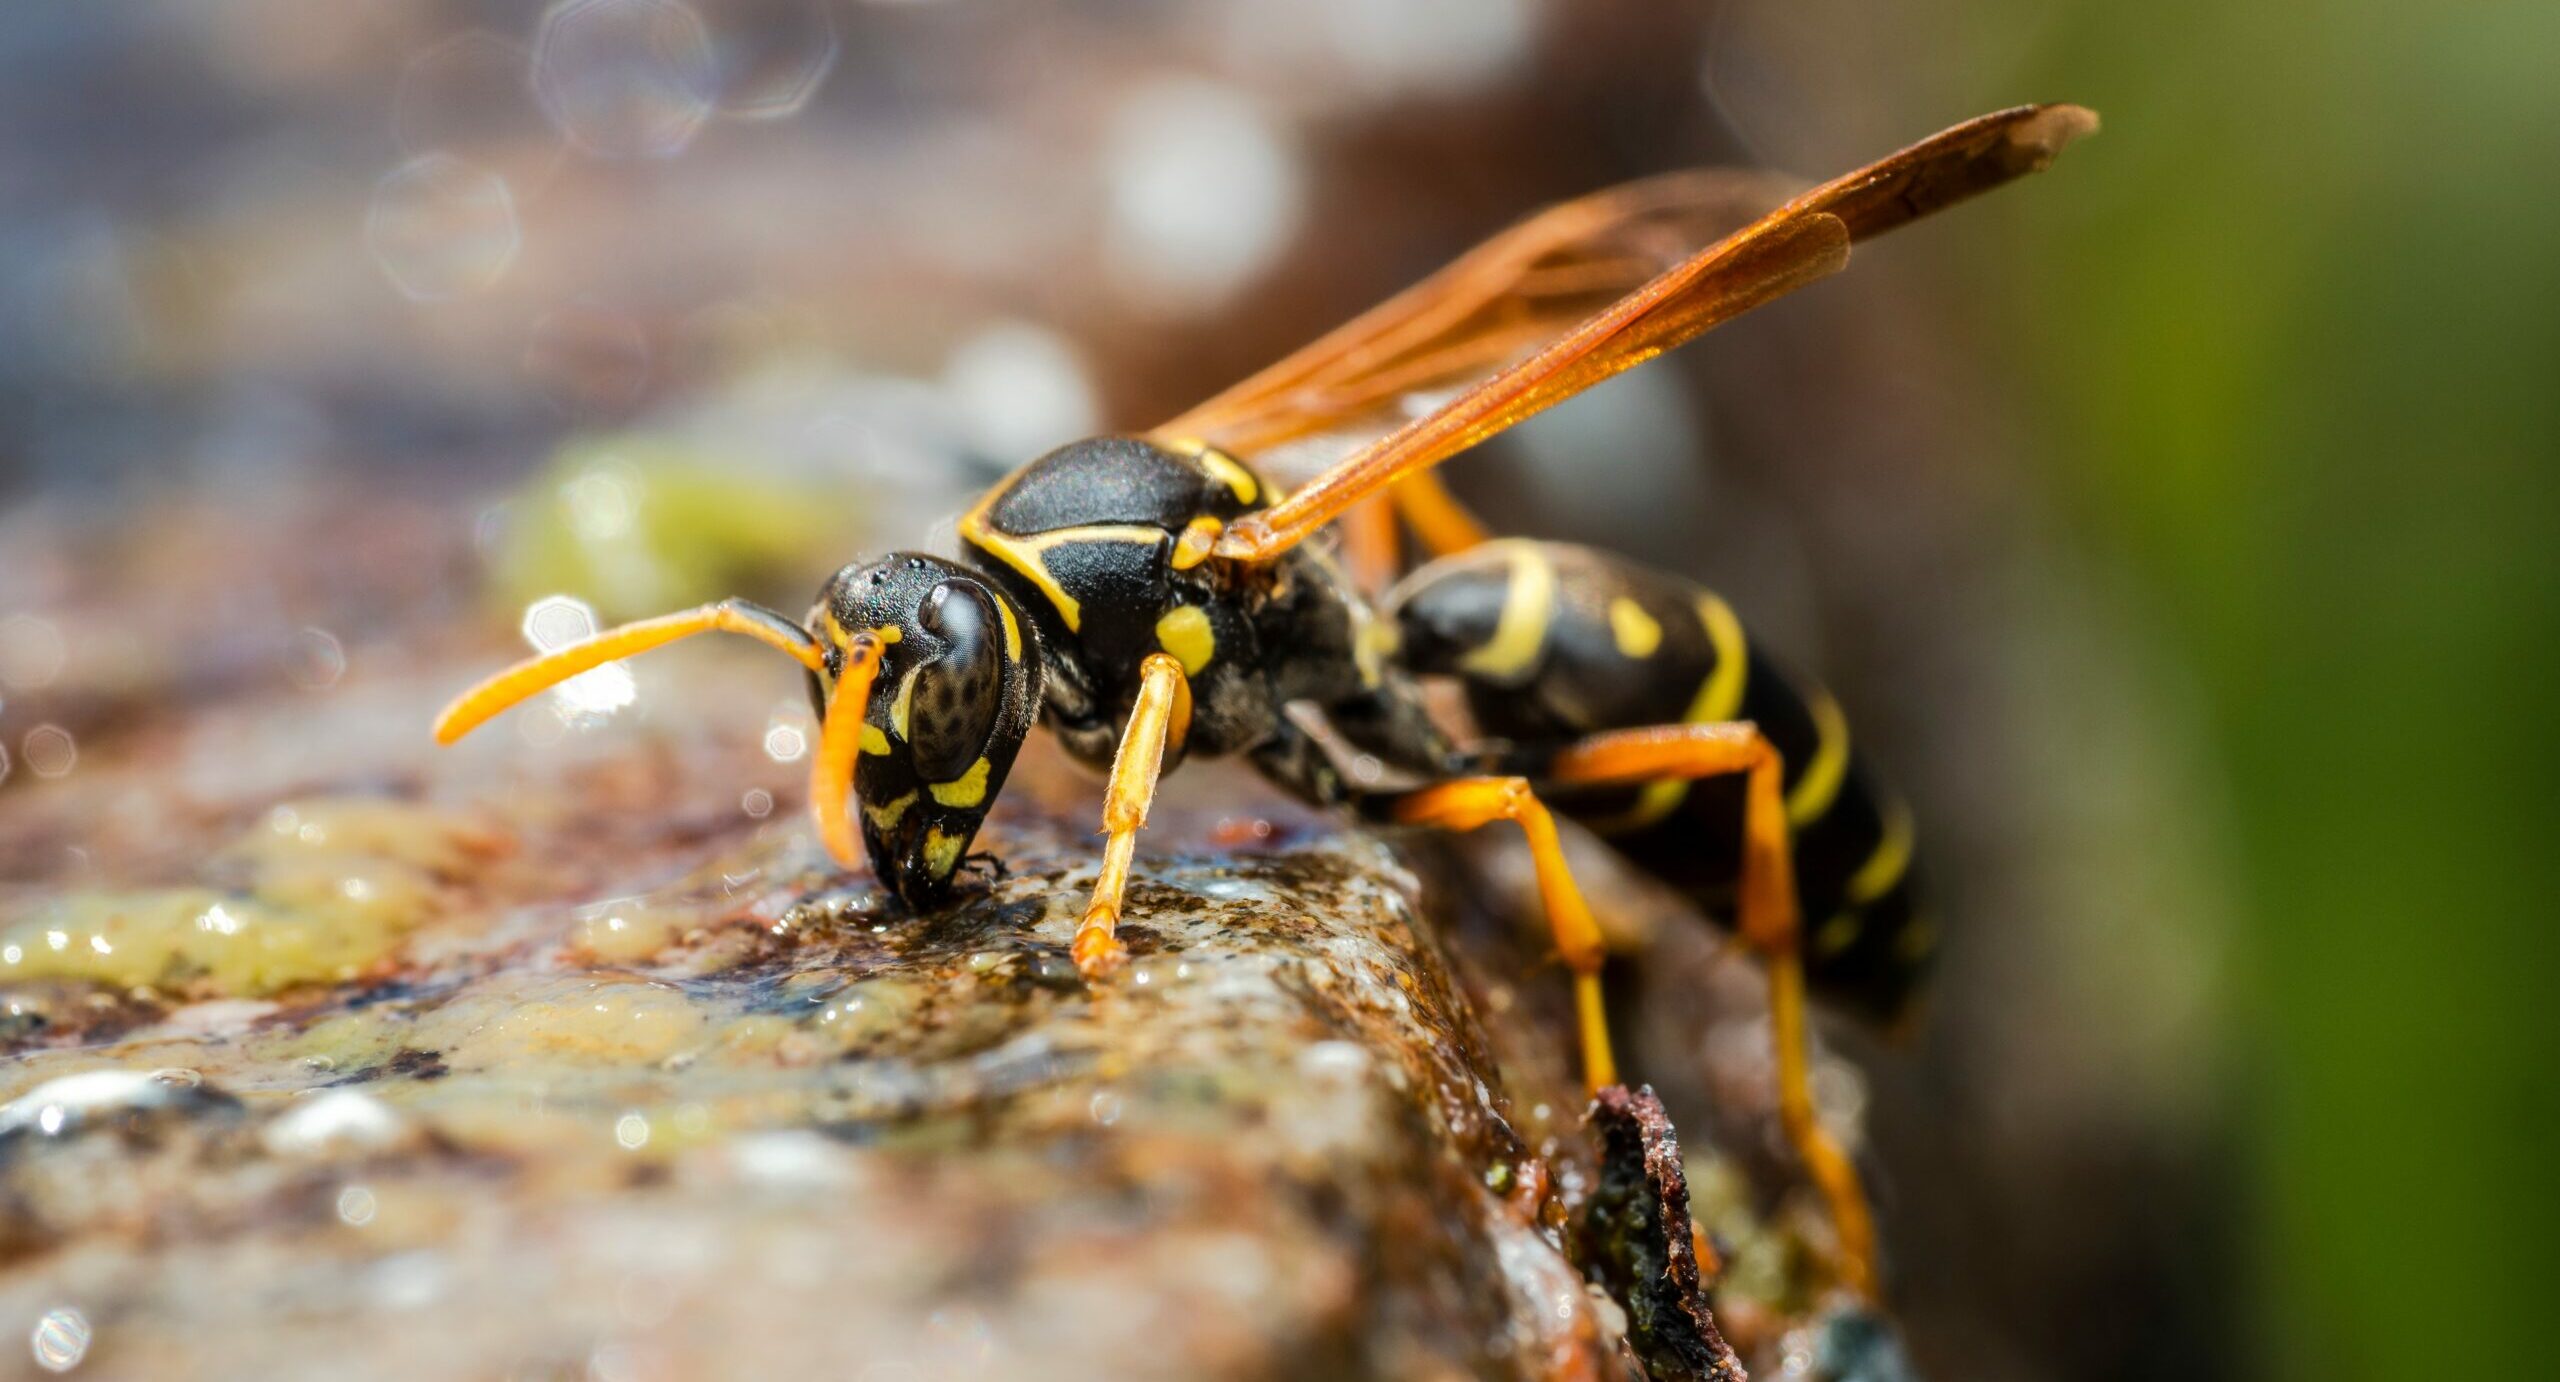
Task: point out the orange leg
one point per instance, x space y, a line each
1368 531
1439 522
1468 802
1162 715
1768 922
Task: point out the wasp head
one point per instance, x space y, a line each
957 689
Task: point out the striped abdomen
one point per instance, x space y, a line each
1554 642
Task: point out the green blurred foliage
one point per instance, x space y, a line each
639 525
2297 315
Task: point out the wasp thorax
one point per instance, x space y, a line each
957 690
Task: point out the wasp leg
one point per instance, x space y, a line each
534 674
1468 802
1162 715
1369 552
1768 921
1438 521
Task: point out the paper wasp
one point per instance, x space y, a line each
1151 598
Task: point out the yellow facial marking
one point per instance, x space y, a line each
942 852
968 789
885 818
1820 786
898 707
873 741
1184 632
1892 858
1837 934
888 633
1528 607
1637 633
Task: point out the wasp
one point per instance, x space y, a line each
1155 598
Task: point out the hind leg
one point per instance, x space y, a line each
1769 922
1468 802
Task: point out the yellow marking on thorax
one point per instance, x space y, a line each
1220 465
1184 632
1820 785
1891 859
968 789
1227 468
873 741
1028 555
1636 633
1528 608
942 852
885 818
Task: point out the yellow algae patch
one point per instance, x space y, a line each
575 1020
368 828
333 887
189 938
631 929
861 1014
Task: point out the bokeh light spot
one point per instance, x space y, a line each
557 620
31 651
60 1339
51 751
315 660
771 56
625 78
1020 390
442 228
1204 192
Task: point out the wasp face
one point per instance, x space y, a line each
958 688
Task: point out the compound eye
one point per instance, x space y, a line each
958 694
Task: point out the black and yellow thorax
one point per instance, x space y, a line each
1104 543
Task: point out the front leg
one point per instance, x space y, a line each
1162 715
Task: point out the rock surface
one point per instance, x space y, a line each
562 1054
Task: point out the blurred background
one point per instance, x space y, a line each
2180 524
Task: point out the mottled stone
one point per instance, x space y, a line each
565 1053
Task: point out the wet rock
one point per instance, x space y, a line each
603 1070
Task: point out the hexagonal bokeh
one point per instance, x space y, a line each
771 56
441 228
625 78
